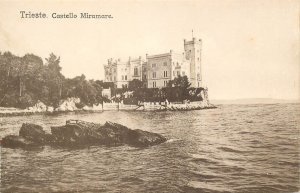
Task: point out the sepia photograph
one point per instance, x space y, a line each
150 96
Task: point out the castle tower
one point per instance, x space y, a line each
192 51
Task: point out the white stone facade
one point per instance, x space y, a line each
157 70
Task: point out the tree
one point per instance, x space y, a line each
181 81
135 84
178 89
20 82
30 71
89 91
6 78
54 79
53 63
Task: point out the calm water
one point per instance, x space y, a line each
235 148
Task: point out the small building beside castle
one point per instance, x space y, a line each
157 70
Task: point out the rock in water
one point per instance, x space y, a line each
14 141
136 138
142 138
82 134
35 133
76 134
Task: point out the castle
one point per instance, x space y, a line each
157 70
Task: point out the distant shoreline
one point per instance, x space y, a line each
254 101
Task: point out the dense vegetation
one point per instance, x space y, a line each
26 80
177 90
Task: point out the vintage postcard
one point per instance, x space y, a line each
153 96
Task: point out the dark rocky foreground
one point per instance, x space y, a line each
77 134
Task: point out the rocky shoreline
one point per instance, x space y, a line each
80 134
70 107
80 111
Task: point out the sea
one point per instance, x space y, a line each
247 148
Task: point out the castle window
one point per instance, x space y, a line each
178 73
135 71
165 73
125 77
198 59
153 65
165 63
154 75
145 77
165 83
154 84
122 77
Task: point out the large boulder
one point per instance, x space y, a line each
114 133
35 133
142 138
14 141
121 134
76 134
69 104
81 134
84 133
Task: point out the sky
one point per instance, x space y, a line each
250 48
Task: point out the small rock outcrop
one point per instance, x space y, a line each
68 105
81 134
38 107
14 141
35 133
